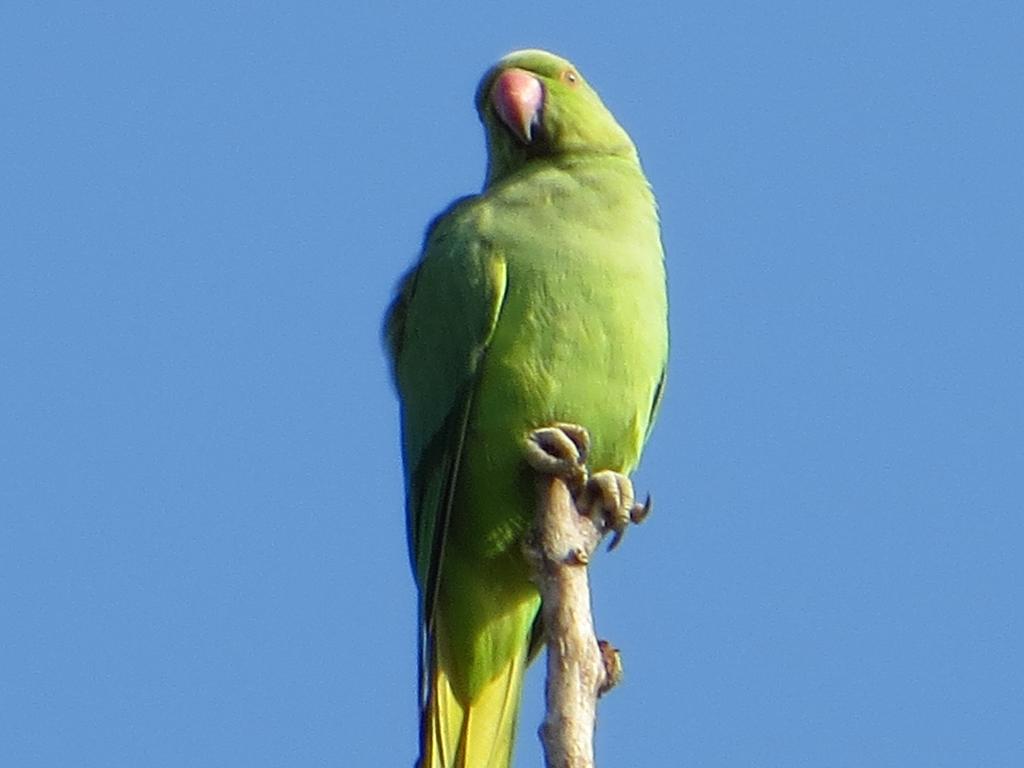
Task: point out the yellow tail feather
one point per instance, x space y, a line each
475 734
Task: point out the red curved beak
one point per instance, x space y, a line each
518 99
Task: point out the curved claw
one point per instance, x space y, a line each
640 512
608 498
637 514
616 539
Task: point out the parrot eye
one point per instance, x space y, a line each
571 78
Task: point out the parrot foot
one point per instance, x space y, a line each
608 498
560 450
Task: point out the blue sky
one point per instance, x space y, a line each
204 211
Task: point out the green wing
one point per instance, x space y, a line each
437 331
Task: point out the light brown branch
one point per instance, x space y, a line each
559 548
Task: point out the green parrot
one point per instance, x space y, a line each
538 303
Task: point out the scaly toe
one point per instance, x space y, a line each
579 436
608 499
559 450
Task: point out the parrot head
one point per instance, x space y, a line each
535 104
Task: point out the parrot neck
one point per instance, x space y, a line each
498 172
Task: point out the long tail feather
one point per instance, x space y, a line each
476 734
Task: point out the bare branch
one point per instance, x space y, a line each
559 548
